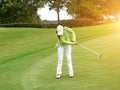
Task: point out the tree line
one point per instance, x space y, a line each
25 11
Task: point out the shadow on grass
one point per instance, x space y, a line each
25 54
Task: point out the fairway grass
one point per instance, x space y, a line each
28 59
91 73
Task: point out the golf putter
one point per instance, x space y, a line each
98 54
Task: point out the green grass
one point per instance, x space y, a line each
28 59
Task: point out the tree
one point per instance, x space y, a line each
32 6
4 7
19 11
111 7
57 5
84 9
93 8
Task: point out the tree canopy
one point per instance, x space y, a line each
94 9
25 11
19 11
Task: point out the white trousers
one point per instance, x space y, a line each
61 49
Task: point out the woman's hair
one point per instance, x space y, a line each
58 35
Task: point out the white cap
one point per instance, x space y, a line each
60 29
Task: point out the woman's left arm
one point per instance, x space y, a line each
73 36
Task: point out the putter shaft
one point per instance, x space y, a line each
100 55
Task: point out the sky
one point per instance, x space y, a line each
46 14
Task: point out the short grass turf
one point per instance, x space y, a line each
28 59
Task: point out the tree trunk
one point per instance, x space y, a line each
58 15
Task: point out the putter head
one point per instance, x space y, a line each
100 55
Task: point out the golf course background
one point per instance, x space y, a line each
28 59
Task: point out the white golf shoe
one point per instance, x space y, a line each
58 76
71 75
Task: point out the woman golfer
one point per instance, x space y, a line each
66 38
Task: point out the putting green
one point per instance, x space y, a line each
91 73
